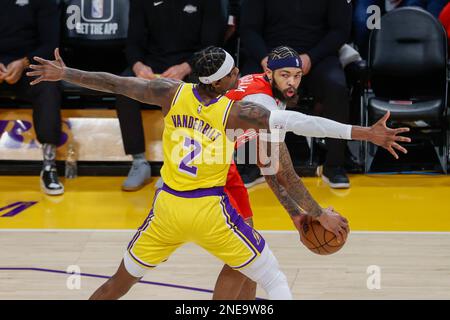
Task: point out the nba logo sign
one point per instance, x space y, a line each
97 10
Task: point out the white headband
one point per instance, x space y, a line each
223 71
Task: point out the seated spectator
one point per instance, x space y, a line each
232 8
162 39
30 28
316 30
361 31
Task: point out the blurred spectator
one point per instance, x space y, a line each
30 28
432 6
163 35
316 30
361 31
360 16
444 17
232 8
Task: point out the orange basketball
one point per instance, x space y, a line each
317 239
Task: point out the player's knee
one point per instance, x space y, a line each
132 268
266 272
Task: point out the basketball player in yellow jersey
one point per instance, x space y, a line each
192 205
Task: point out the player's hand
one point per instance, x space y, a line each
306 63
386 137
231 30
15 70
47 70
178 72
143 71
298 220
334 222
3 72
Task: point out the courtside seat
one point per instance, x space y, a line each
427 110
408 63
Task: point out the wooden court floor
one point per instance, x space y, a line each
399 247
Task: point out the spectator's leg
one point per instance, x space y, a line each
130 118
328 85
46 100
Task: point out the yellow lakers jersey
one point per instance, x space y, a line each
197 152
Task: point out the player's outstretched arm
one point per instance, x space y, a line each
249 115
156 92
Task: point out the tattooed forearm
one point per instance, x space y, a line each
254 114
100 81
280 192
294 185
147 91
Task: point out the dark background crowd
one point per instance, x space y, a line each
158 38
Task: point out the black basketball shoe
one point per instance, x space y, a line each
49 181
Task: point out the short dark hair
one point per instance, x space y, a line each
208 61
282 52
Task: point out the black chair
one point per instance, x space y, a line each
93 34
407 69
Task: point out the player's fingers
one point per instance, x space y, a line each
343 233
337 233
385 117
41 61
34 73
36 81
402 139
57 55
391 151
36 67
399 148
344 225
344 219
401 130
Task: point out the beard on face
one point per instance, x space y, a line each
282 95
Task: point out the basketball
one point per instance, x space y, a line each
317 239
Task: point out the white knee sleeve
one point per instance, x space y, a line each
266 272
132 267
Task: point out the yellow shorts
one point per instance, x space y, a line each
202 216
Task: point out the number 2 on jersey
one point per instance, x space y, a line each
185 162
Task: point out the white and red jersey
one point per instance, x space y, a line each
255 88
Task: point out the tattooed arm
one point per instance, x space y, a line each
286 185
283 196
248 115
156 92
287 178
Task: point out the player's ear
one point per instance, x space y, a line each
216 84
269 74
